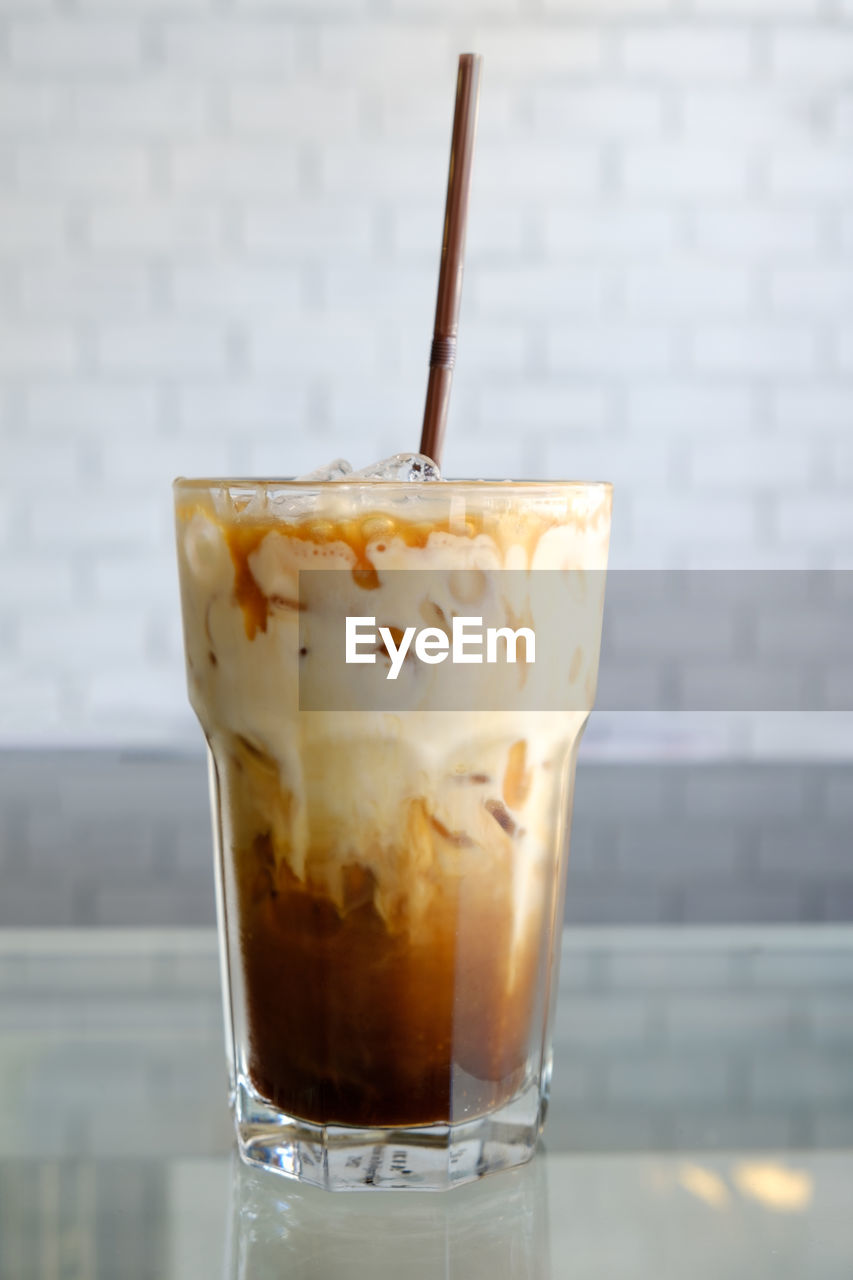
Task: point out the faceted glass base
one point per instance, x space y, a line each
426 1158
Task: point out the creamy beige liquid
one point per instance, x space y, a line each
394 875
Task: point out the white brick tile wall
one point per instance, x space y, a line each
37 349
63 171
27 108
229 46
819 55
755 349
608 350
699 409
803 174
235 289
687 53
154 227
749 115
325 109
74 44
227 169
27 229
158 347
681 286
609 231
91 407
84 289
757 233
669 171
601 110
155 107
219 232
532 291
812 291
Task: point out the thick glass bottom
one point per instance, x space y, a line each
425 1158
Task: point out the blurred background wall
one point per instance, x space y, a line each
219 234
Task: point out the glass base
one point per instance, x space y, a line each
425 1158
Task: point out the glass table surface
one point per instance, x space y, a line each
701 1123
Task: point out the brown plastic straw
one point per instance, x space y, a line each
442 356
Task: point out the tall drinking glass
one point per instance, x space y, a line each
392 679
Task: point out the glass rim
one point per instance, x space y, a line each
386 486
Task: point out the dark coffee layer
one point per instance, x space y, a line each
353 1024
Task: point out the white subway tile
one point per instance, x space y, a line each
750 115
414 54
808 174
615 350
92 406
805 291
230 46
148 107
616 9
374 170
687 287
813 406
528 52
608 229
83 517
85 289
38 460
749 463
28 108
820 54
389 290
56 635
312 346
27 228
534 292
63 44
800 519
450 8
257 404
296 106
161 347
36 348
594 111
222 289
146 227
530 172
690 408
71 169
757 232
685 518
31 580
759 349
772 10
844 348
537 404
679 171
226 169
681 52
293 229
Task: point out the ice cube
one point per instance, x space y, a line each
340 469
400 466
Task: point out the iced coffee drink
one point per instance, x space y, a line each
390 875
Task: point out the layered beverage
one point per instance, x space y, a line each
390 875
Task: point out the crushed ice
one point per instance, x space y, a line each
400 466
337 470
